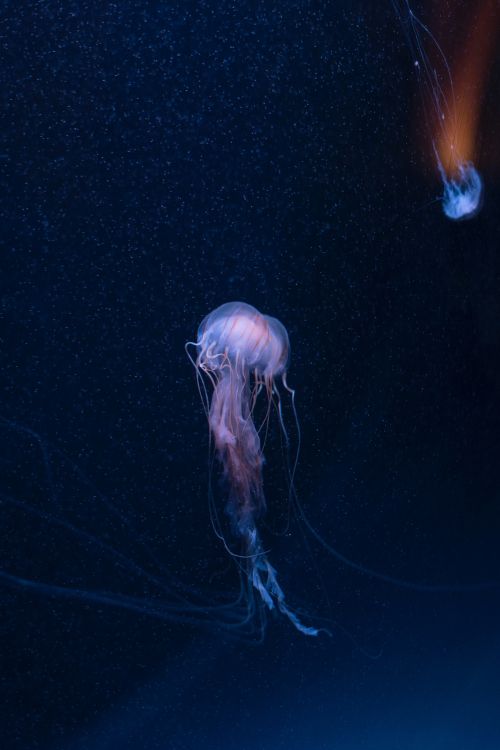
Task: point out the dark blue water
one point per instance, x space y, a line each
160 159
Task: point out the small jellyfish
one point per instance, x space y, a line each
452 98
462 195
242 353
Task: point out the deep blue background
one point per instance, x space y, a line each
160 159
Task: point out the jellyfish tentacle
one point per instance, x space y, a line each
264 579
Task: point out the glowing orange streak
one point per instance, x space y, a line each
456 136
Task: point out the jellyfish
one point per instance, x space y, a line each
242 353
452 101
462 194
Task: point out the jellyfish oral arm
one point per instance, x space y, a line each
238 447
239 450
265 581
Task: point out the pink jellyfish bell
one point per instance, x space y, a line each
242 352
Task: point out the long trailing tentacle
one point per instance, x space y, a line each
264 579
